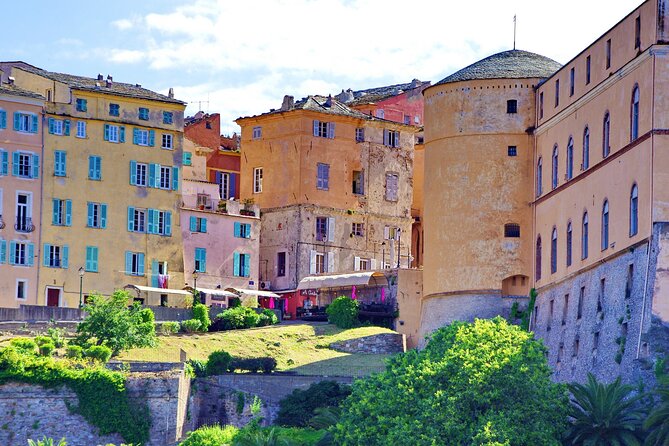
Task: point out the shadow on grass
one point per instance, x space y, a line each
355 365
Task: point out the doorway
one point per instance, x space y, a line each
53 297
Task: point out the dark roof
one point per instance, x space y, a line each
100 86
16 91
514 64
321 104
380 93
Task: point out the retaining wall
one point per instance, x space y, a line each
384 343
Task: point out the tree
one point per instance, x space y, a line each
343 312
657 423
298 408
481 383
604 414
109 321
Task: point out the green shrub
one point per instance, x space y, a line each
170 327
47 442
74 352
210 436
343 312
298 408
191 325
57 336
100 353
238 317
47 348
264 364
24 345
11 361
267 317
235 302
198 366
218 362
201 313
41 340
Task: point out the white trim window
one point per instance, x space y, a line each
142 137
257 180
164 181
141 174
139 220
257 132
358 229
324 129
392 185
167 141
81 129
21 289
391 138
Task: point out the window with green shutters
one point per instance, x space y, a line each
242 230
3 119
61 212
241 265
143 137
94 168
134 263
60 163
92 259
114 133
187 159
55 256
97 215
200 260
4 162
3 251
59 127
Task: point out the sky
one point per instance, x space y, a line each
239 58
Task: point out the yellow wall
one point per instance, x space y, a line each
409 293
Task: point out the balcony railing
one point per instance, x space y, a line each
24 224
2 222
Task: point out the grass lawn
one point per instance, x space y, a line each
302 348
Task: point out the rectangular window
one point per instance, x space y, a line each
587 70
241 265
61 212
392 184
323 176
407 119
608 53
565 309
188 157
21 253
139 176
391 138
512 151
165 182
358 183
281 264
321 229
391 233
3 119
141 137
136 219
167 141
81 129
97 215
601 297
200 260
257 132
226 185
168 117
359 134
60 163
572 80
512 230
358 229
114 109
56 126
21 289
320 263
134 263
257 180
160 222
512 106
143 113
541 105
557 92
364 264
26 122
242 230
82 105
94 168
637 33
92 259
114 133
25 165
198 224
324 129
55 256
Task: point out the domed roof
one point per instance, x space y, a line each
514 64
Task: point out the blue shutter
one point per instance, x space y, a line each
68 212
151 229
94 258
89 258
152 138
30 254
3 251
91 167
121 133
203 259
153 168
235 265
4 162
131 218
175 178
35 173
168 223
140 263
135 135
12 252
203 225
15 164
64 256
331 130
154 273
98 167
55 212
66 127
35 126
316 127
103 216
247 230
3 119
106 137
128 262
52 124
91 210
17 120
187 158
47 252
247 265
193 224
133 173
238 229
232 190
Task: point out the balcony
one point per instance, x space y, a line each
24 224
2 222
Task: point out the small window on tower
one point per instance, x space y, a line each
512 230
512 106
512 151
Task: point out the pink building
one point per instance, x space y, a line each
20 194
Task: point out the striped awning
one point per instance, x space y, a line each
361 278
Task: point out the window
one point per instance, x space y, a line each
242 230
91 259
187 159
601 297
584 237
629 284
138 173
322 229
81 129
512 230
320 262
586 149
114 133
407 119
549 323
581 299
25 165
257 180
554 238
114 109
554 182
134 263
241 265
61 212
359 134
200 260
570 158
60 163
358 229
605 225
25 122
512 106
21 253
391 138
606 132
226 185
281 264
539 177
168 117
21 289
164 178
55 256
557 92
572 79
392 184
97 215
136 219
541 105
391 233
537 260
634 210
587 70
324 129
637 33
160 222
59 126
143 137
608 53
143 113
634 131
257 132
569 243
81 105
358 183
167 141
512 151
94 168
3 119
380 113
323 176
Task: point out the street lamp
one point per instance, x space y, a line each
399 245
81 287
383 266
195 275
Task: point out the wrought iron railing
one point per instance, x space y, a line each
24 224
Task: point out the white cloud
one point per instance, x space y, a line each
126 56
122 24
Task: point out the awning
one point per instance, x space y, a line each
369 278
239 291
157 290
216 292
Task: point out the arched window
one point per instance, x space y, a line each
586 149
554 182
606 135
554 251
568 250
584 236
539 177
634 210
570 158
605 225
634 133
537 260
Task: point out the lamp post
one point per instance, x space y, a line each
195 275
81 287
399 245
383 266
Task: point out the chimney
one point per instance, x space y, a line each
170 94
100 77
328 101
345 96
288 102
109 80
10 80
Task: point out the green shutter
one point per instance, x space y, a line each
35 167
103 216
175 178
55 212
35 124
46 254
4 162
247 265
66 127
106 137
30 256
3 251
64 256
68 212
131 218
3 119
140 262
168 223
133 173
128 262
91 211
152 138
52 125
121 134
235 265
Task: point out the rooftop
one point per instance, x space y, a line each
377 94
16 91
322 104
514 64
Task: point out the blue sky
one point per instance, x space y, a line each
242 57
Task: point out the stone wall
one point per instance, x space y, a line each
384 343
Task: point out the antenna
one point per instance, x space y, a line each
514 31
199 104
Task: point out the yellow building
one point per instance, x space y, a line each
110 188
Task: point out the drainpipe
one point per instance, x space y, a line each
41 205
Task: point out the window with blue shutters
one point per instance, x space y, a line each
26 122
55 256
92 259
3 119
159 222
323 176
242 230
200 260
187 161
3 251
61 212
324 129
143 113
143 137
82 105
4 162
114 133
60 163
81 129
94 168
198 224
96 215
25 165
168 117
136 219
59 127
114 109
134 263
21 253
241 265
